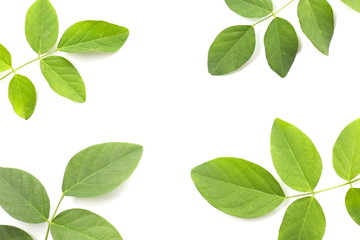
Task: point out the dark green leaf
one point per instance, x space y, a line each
251 8
281 45
352 202
13 233
5 59
231 49
304 220
238 187
41 26
63 78
317 22
295 157
22 95
354 4
22 196
93 36
100 169
82 225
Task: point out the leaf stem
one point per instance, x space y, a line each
53 216
273 13
324 190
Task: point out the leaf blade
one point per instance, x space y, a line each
5 59
354 4
231 49
352 203
251 8
238 187
13 233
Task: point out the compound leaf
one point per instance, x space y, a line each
354 4
13 233
63 78
22 196
251 8
281 45
231 49
238 187
346 152
41 26
22 95
81 224
304 220
317 22
295 157
100 168
93 36
352 202
5 59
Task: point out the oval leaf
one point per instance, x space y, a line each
13 233
238 187
354 4
304 220
251 8
317 22
22 95
346 152
81 224
41 26
231 49
100 169
281 45
22 196
5 59
295 157
352 202
93 36
63 78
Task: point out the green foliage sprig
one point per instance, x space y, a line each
235 45
41 30
92 172
246 190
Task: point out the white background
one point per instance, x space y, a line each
156 92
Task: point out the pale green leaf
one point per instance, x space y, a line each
93 36
79 224
22 196
346 152
231 49
317 22
41 26
100 168
13 233
63 78
22 95
352 202
281 45
304 220
251 8
5 59
354 4
295 157
238 187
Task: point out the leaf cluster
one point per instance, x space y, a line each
246 190
42 30
92 172
235 45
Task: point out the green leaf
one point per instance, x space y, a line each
13 233
317 22
346 152
93 36
354 4
352 202
238 187
22 196
22 95
295 157
251 8
281 45
5 59
304 220
81 224
231 49
63 78
100 168
41 26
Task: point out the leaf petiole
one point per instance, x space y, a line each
273 14
53 216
